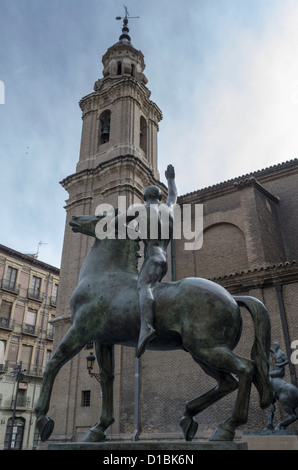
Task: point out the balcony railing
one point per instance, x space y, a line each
30 329
4 367
7 323
34 370
22 402
34 294
10 286
50 334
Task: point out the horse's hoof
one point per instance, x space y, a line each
223 433
45 426
94 436
189 427
279 428
269 427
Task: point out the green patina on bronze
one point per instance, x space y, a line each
193 314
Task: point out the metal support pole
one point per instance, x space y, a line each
137 430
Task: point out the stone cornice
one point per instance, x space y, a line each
251 181
260 177
75 177
259 276
108 94
29 259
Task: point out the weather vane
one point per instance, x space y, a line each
126 15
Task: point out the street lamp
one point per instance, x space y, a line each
90 363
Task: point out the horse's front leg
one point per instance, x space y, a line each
71 344
105 358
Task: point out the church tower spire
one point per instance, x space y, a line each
119 119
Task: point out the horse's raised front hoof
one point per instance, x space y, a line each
94 436
223 433
45 426
189 427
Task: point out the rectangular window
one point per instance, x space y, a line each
13 350
85 399
26 355
35 286
50 332
5 313
54 296
55 292
30 323
11 276
31 317
2 353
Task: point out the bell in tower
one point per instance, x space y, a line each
105 128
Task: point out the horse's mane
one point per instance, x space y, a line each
123 252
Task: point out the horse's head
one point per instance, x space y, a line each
121 253
84 224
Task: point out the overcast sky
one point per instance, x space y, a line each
223 72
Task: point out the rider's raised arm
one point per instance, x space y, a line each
172 190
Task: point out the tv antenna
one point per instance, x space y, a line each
39 245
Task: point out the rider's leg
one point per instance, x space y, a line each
147 308
153 270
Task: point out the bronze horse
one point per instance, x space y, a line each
193 314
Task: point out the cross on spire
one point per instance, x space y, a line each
125 30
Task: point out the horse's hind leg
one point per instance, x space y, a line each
226 383
289 420
223 359
270 418
105 357
70 345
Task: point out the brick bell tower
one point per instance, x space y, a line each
118 156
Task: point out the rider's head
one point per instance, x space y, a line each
152 193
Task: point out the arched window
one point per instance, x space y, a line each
105 123
143 134
119 68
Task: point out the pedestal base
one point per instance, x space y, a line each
271 440
163 446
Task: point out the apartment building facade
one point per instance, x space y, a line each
28 297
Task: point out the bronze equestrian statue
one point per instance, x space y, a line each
193 314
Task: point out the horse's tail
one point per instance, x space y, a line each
260 351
